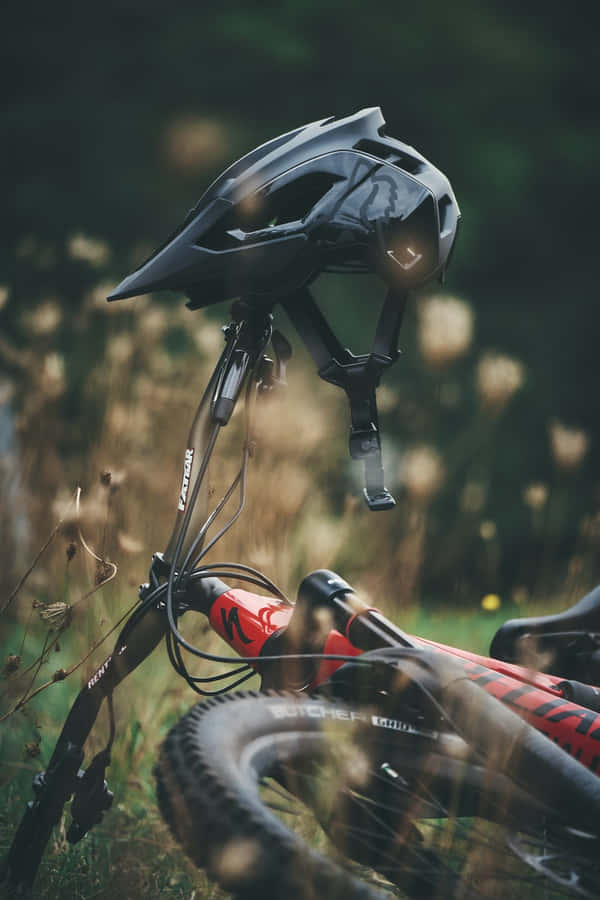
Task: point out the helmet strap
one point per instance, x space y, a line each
359 376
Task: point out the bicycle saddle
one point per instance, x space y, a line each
584 616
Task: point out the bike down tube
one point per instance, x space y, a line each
253 625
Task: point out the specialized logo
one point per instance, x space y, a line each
232 621
187 471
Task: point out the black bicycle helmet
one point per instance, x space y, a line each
335 195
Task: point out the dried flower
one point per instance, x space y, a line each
387 398
487 530
129 544
53 375
422 473
118 418
498 378
59 675
325 539
153 323
194 144
104 570
354 767
445 329
56 615
569 446
535 495
7 391
64 508
473 497
44 320
96 299
161 363
119 349
89 249
11 664
237 860
116 477
208 338
32 748
520 595
590 527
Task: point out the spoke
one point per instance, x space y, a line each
447 855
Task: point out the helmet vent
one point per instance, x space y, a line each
268 208
391 155
445 203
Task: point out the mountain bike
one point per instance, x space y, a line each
431 771
372 763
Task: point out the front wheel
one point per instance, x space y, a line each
281 796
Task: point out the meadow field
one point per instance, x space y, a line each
93 439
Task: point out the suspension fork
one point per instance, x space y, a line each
63 776
139 637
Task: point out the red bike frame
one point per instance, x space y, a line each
246 621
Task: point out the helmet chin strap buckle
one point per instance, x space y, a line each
357 375
375 493
365 444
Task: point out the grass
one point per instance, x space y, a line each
131 852
302 513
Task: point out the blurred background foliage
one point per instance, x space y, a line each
116 119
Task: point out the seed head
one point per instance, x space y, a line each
195 144
56 615
422 473
498 378
92 250
12 663
535 495
45 319
569 446
445 329
71 550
